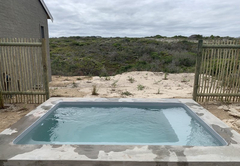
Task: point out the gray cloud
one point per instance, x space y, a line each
144 17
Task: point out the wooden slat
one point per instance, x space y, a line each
235 76
20 44
198 65
45 69
22 93
218 94
221 46
210 75
1 100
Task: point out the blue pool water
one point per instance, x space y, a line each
120 124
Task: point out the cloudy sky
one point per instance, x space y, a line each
140 18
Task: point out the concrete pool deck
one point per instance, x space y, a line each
119 155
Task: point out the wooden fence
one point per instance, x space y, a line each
23 70
217 74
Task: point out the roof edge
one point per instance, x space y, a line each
46 9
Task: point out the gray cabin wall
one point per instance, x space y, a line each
23 19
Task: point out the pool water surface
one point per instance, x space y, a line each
120 124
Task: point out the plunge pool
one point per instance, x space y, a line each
120 123
119 132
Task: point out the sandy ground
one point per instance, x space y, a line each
139 84
12 113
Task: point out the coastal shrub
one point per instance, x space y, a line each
109 56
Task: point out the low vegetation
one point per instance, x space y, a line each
109 56
184 79
165 76
131 79
107 78
74 85
140 87
126 93
94 90
114 84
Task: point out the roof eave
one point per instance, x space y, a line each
46 9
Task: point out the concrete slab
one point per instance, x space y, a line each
119 155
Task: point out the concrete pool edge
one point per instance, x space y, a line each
118 154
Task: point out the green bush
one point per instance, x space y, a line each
155 55
88 66
126 93
140 87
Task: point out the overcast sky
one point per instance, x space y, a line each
140 18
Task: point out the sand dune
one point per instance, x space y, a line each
141 84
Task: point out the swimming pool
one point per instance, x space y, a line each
115 123
168 152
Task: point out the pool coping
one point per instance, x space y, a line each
118 154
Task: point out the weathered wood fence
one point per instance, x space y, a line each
217 74
23 70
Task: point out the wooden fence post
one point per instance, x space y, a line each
45 68
1 100
197 70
